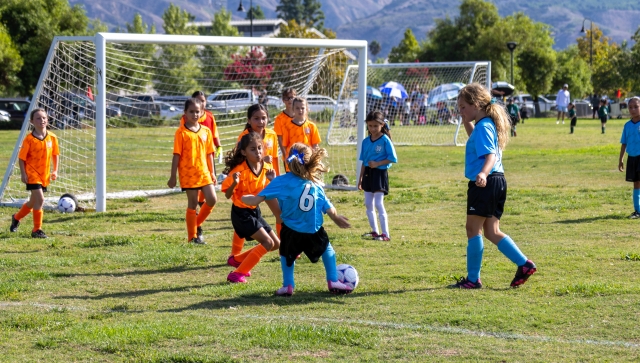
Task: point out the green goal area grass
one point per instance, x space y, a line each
125 286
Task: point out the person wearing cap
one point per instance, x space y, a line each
562 102
514 115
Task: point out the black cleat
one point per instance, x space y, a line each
38 234
14 224
523 273
464 283
200 233
197 241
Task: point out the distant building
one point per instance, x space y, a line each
261 27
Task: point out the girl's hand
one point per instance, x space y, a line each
268 159
215 180
341 221
24 179
54 175
621 166
172 182
481 180
360 185
271 174
373 164
236 177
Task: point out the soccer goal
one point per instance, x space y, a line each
418 100
115 101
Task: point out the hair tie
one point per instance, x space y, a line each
295 154
493 100
386 124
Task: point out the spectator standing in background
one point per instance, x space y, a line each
595 103
562 101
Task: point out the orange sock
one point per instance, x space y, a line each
205 210
241 256
23 212
37 219
192 227
236 245
200 197
252 259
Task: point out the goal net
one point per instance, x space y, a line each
115 101
418 100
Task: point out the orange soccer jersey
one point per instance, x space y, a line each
270 141
193 148
207 119
279 122
36 155
249 183
307 133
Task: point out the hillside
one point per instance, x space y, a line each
385 20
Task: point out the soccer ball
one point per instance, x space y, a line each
66 205
348 275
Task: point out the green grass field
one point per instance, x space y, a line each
124 286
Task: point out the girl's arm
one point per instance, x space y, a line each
361 174
54 174
468 126
212 168
254 200
23 172
275 209
174 168
340 221
236 179
375 164
623 148
489 162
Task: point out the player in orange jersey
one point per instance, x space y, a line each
299 129
288 94
38 149
193 161
207 119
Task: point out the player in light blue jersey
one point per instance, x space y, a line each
303 203
630 141
376 155
487 189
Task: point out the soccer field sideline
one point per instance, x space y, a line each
125 287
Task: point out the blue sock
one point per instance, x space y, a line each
329 261
509 249
636 200
475 248
287 272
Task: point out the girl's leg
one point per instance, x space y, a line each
275 209
288 283
371 214
191 217
636 196
37 198
506 245
475 247
329 262
267 242
210 201
378 199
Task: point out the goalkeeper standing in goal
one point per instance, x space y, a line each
193 161
376 155
207 119
487 188
38 149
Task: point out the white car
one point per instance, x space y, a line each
168 110
5 116
317 103
231 100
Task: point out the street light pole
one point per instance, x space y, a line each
590 40
512 46
241 9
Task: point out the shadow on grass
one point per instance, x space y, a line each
592 219
136 293
175 269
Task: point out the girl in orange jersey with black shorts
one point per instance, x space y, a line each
193 161
299 129
248 173
38 149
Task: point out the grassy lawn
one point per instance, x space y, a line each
124 286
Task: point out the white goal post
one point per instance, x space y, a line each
82 73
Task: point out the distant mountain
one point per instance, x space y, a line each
386 20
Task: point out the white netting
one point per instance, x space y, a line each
140 132
426 114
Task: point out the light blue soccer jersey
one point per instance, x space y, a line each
302 202
483 141
381 149
631 137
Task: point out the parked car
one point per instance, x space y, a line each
16 107
5 116
168 110
138 106
70 109
317 103
175 101
273 101
231 100
526 101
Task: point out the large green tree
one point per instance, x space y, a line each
304 12
215 59
32 25
10 63
407 50
256 11
178 65
375 48
572 70
608 61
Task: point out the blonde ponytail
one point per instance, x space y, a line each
477 95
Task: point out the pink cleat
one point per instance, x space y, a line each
237 277
285 291
337 287
231 261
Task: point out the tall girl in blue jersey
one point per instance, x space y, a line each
303 202
630 143
376 155
487 189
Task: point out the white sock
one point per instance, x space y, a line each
382 213
371 214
